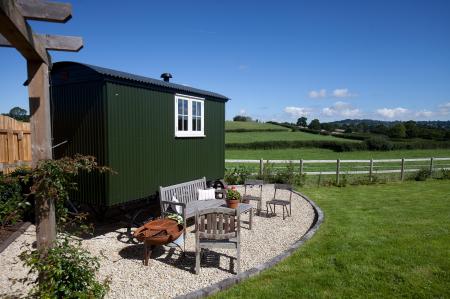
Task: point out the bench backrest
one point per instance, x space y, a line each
184 192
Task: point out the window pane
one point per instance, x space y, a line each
199 109
180 123
194 124
185 124
194 108
185 105
180 107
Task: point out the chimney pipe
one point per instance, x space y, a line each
166 76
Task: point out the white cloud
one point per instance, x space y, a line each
317 94
341 109
242 112
444 109
401 113
342 93
424 113
392 112
298 111
337 93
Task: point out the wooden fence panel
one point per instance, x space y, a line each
15 144
335 167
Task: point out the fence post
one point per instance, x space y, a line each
261 167
431 166
301 166
370 169
402 170
338 164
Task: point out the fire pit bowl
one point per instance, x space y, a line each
159 232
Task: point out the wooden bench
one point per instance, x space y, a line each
187 195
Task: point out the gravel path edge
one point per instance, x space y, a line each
231 281
14 236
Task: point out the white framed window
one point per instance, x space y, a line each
189 116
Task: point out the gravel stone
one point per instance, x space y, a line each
169 273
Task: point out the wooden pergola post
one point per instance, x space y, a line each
39 101
16 32
41 145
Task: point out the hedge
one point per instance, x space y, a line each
253 130
339 146
351 136
333 145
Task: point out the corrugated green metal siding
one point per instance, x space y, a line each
78 118
143 149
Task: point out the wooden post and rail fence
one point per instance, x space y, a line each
15 144
367 167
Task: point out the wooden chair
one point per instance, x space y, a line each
217 228
187 196
251 184
280 202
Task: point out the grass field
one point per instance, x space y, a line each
247 137
243 125
324 154
380 241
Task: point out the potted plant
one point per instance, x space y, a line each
233 198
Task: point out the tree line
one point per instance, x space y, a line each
395 130
18 114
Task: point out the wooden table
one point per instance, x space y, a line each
244 208
205 204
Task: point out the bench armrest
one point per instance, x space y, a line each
165 203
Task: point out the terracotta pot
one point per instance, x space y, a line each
232 203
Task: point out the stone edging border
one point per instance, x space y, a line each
229 282
14 236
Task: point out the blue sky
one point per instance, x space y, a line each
276 60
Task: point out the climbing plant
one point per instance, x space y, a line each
66 269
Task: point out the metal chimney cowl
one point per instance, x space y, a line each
166 76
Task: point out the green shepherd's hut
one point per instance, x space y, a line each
151 132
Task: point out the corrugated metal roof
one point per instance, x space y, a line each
155 82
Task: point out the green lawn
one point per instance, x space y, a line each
244 125
379 241
324 154
247 137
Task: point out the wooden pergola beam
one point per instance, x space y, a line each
17 31
4 42
61 42
45 11
52 42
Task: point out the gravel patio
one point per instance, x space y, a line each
170 274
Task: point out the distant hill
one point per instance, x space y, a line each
252 126
370 122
